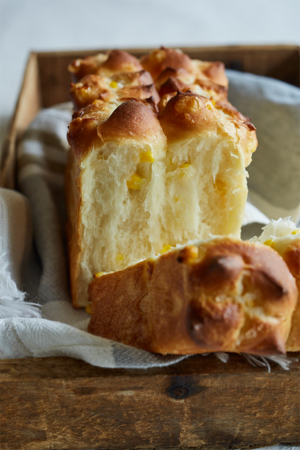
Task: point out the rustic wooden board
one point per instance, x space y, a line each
60 403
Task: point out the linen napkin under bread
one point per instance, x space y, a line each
36 315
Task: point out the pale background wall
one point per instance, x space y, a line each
27 25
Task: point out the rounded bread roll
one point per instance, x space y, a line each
217 295
284 237
113 62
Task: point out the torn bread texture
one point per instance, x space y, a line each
142 179
216 295
284 237
142 182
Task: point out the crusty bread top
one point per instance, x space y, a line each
104 121
173 83
94 87
188 113
163 58
185 115
217 295
284 237
172 70
114 61
160 60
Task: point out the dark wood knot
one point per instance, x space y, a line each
178 392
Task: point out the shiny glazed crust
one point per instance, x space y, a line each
218 295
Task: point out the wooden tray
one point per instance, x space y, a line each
61 403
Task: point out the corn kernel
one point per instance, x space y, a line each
269 242
88 309
114 84
165 248
296 232
98 274
146 157
183 166
119 257
135 182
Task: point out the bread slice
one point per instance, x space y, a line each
284 237
216 295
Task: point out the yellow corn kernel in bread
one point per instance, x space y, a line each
114 85
135 182
98 274
146 157
269 242
88 309
165 248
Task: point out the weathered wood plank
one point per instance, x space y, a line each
60 403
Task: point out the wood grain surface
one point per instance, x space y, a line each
61 403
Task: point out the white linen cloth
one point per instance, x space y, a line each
32 223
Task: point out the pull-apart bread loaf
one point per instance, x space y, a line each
158 158
216 295
141 180
283 236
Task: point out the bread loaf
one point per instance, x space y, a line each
216 295
283 236
142 180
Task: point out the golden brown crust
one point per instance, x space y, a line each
165 62
221 295
186 114
291 256
161 59
94 87
73 206
131 120
114 61
212 71
102 121
173 84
